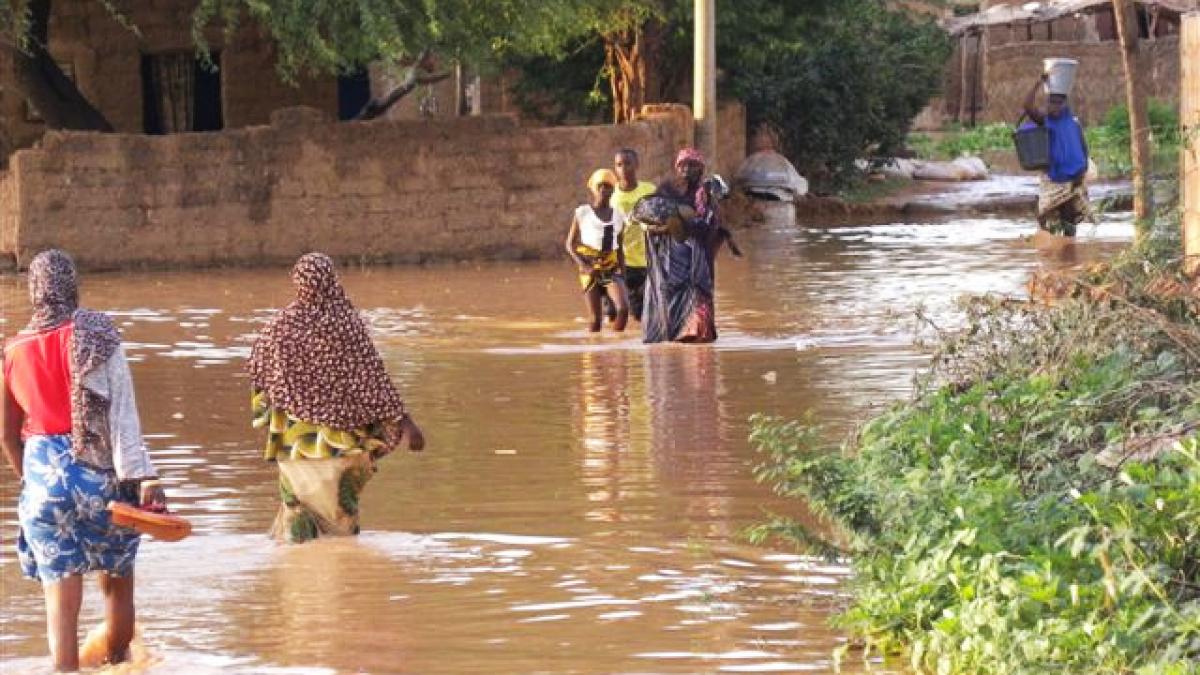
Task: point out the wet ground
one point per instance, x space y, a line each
581 503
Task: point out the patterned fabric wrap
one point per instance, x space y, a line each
316 360
290 438
54 294
604 265
1062 206
320 498
65 524
659 214
679 279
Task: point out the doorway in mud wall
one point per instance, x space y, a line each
181 93
354 90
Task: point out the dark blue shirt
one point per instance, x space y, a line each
1068 157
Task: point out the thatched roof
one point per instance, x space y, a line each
1048 10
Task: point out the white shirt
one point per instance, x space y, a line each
114 382
591 228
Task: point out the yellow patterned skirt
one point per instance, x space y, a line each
604 264
322 472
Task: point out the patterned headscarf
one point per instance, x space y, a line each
689 154
315 359
54 294
700 199
53 289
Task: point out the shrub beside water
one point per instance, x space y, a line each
1036 507
1109 142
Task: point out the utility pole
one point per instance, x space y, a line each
704 80
1189 120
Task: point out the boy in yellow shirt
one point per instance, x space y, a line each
629 191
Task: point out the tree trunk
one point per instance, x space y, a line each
38 78
627 73
636 69
1127 28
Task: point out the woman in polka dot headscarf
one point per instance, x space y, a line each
330 409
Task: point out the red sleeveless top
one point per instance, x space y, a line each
37 372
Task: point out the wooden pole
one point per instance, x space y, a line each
704 80
1189 119
1127 29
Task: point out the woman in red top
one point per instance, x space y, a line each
71 433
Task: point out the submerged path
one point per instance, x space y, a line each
580 504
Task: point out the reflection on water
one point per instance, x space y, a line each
580 503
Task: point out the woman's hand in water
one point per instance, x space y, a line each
416 439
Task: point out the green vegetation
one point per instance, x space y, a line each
958 141
828 83
822 74
868 191
1036 507
334 36
1109 142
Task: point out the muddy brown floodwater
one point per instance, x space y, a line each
581 502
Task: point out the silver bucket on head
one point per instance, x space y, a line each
1060 75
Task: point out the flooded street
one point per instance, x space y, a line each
581 503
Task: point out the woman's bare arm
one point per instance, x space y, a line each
1031 108
572 242
11 419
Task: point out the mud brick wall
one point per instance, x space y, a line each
104 57
402 191
8 219
1010 70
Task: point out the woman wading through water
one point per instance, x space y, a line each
72 435
594 242
330 410
681 253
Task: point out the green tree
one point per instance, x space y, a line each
314 37
837 79
838 84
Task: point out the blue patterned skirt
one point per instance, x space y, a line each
66 528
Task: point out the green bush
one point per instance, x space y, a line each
1164 122
832 88
1036 508
1109 143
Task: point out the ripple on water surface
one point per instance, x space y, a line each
582 499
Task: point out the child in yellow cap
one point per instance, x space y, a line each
594 243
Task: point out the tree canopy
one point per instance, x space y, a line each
836 78
330 36
838 85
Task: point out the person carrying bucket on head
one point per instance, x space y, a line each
1062 198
